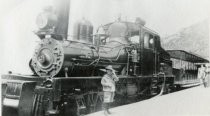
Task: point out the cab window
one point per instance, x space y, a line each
134 39
149 41
146 40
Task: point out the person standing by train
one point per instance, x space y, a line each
207 71
202 75
108 83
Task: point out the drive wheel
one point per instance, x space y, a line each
94 101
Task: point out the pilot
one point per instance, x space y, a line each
108 83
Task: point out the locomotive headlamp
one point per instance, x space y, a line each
46 20
41 20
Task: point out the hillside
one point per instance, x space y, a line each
194 38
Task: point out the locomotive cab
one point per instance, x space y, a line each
141 43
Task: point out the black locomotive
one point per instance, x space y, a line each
67 74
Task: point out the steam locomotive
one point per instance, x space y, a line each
67 73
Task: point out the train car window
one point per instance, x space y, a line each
178 64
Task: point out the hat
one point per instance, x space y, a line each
109 67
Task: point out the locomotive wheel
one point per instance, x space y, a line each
87 103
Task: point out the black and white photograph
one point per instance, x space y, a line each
105 57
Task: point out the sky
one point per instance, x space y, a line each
164 16
17 21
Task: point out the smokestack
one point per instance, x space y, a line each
62 8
